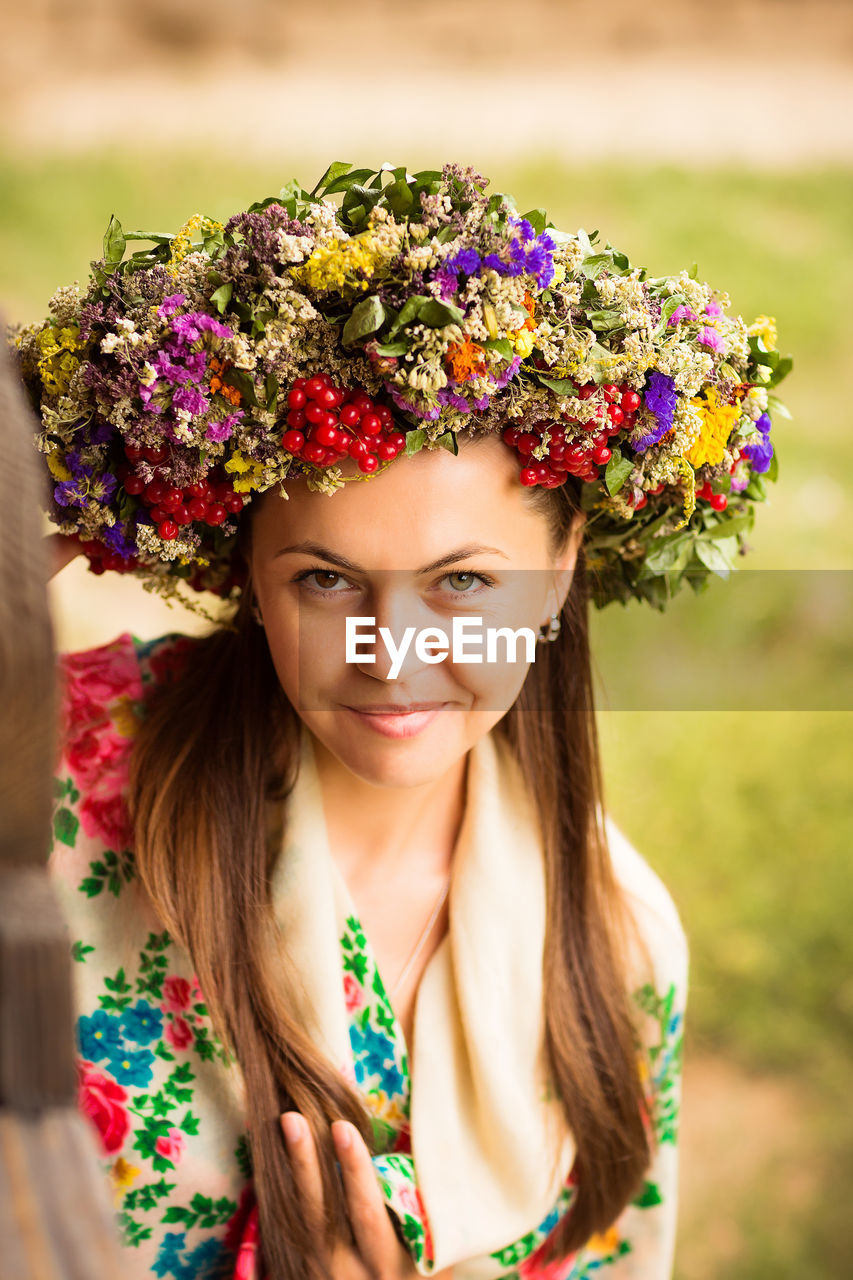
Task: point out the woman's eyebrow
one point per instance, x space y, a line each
325 553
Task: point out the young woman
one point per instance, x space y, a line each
368 982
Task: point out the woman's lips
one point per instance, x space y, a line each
398 724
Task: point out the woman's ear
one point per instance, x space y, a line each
564 563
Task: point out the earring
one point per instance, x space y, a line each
550 630
256 614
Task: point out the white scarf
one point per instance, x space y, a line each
490 1145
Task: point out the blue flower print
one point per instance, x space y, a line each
205 1262
132 1066
143 1023
98 1036
373 1054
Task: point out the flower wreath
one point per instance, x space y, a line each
227 359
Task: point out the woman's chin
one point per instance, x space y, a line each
393 751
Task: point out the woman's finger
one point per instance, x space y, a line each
375 1238
305 1164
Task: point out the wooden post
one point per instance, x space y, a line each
56 1218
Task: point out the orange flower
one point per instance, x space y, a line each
231 394
466 360
529 323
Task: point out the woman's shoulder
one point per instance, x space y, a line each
653 907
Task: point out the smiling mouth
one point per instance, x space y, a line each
396 708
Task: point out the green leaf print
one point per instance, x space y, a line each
648 1197
106 873
243 1156
119 1001
189 1124
146 1196
65 826
203 1212
132 1231
79 952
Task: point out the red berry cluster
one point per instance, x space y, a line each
327 423
101 558
209 501
564 458
718 501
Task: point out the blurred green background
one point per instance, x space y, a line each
745 813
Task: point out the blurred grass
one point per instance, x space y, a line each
746 814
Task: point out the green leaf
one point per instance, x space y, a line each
391 348
783 368
222 296
537 218
715 554
240 379
593 266
415 440
336 170
435 314
616 472
667 309
669 553
367 316
772 471
408 312
502 345
448 441
115 242
562 386
606 320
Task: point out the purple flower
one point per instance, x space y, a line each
467 260
189 399
494 263
115 539
764 423
682 312
759 454
713 309
447 282
221 431
401 403
527 232
738 486
67 494
170 305
709 337
660 397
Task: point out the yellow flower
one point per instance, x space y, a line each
689 492
123 1175
124 717
57 467
717 423
764 327
58 362
559 273
341 264
604 1242
182 243
523 342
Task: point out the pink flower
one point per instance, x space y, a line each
93 678
107 818
709 337
713 309
179 1033
101 1100
176 994
408 1201
170 1147
682 312
353 993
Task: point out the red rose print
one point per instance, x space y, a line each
100 1099
176 994
353 993
170 1147
179 1033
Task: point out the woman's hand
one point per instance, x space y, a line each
377 1253
62 549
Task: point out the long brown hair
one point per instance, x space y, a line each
219 744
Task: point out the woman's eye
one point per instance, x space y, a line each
325 580
465 580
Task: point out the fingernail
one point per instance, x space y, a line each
292 1125
343 1135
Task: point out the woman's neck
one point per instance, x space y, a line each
384 832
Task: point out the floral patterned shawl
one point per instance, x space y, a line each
476 1124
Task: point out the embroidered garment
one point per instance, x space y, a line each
475 1164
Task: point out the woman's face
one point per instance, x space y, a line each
436 536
